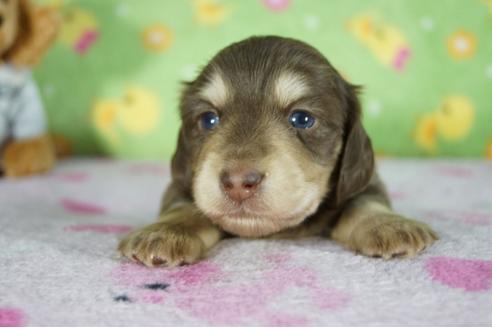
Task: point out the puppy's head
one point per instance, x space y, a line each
270 131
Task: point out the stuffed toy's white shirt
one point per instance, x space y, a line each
21 110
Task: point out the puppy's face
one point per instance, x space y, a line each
263 129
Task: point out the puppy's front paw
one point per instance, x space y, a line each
390 236
161 244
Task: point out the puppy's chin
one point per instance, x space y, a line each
250 226
254 218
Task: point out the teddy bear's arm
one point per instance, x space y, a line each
29 118
30 149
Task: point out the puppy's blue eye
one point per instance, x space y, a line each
209 120
301 119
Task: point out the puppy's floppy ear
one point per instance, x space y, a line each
356 163
37 29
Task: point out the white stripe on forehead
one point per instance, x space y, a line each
289 87
215 90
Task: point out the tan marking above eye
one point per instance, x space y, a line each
215 90
289 87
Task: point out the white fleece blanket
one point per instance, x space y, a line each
58 264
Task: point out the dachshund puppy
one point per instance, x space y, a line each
272 145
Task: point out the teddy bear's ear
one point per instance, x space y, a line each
37 29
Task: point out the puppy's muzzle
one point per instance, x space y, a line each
240 184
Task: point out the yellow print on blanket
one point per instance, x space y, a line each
452 120
135 113
79 30
385 41
210 12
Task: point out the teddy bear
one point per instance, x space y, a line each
26 32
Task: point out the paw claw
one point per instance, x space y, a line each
399 254
162 245
157 261
392 236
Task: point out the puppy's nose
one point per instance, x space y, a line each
241 184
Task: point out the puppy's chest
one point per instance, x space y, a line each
319 224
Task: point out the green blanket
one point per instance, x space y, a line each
111 83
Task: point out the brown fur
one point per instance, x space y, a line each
317 181
27 157
35 30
